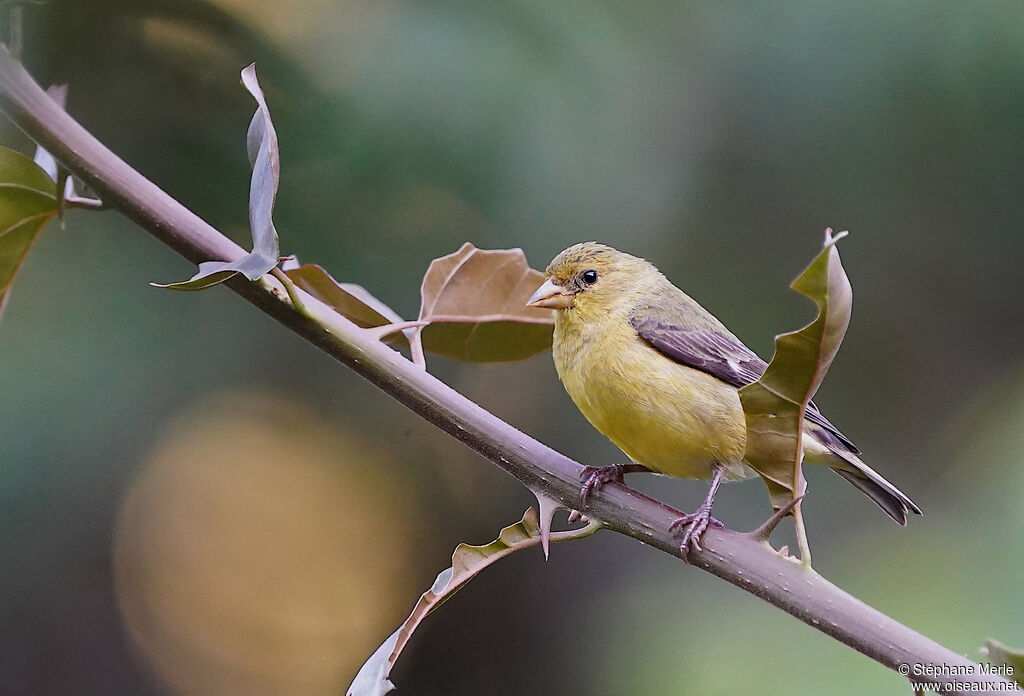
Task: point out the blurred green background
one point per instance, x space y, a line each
195 501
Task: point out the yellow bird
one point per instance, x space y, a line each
660 376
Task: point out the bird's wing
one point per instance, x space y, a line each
722 355
718 354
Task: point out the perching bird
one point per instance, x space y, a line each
659 376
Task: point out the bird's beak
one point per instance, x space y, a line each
550 295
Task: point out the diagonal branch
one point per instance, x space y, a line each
742 559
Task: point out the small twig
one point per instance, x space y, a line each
381 332
801 533
415 337
763 532
291 289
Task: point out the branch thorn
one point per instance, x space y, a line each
765 530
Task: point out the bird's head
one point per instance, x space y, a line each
591 276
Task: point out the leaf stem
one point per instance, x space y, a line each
291 289
801 535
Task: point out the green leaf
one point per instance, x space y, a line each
774 405
264 157
475 301
1012 660
372 678
27 202
354 302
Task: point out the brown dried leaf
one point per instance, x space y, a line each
354 302
475 301
774 405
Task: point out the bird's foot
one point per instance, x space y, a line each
694 525
594 477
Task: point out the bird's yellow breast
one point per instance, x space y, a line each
669 417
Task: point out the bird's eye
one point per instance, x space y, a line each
589 277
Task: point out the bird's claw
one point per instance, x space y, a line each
689 517
695 524
596 476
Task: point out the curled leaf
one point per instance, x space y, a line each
373 677
265 160
774 405
264 157
27 202
475 302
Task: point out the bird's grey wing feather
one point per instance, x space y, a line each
723 356
708 351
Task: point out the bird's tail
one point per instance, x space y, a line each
892 500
